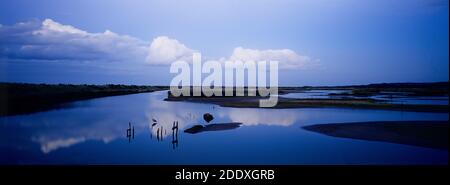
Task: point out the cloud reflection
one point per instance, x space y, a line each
251 117
106 120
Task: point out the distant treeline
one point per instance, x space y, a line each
19 98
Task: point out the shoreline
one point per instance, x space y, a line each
355 97
18 98
430 134
23 98
286 103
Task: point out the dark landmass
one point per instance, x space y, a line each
235 92
338 103
410 89
357 97
431 134
212 127
19 98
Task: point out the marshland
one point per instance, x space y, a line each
369 124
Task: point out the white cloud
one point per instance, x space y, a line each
49 27
164 50
50 40
287 58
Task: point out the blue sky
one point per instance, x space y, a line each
340 42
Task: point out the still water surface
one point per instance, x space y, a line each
95 132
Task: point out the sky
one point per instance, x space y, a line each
318 42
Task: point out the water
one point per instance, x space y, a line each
317 94
419 100
394 98
95 132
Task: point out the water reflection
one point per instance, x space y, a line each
386 96
212 127
175 134
155 122
130 132
103 120
278 117
161 132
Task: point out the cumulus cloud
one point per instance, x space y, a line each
287 58
50 27
164 50
50 40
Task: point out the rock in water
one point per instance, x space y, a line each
208 117
194 129
212 127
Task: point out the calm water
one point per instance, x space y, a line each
395 98
318 94
95 132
